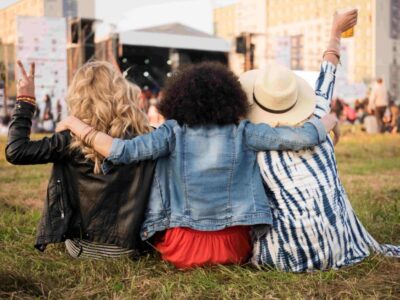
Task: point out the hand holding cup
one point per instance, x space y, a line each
344 21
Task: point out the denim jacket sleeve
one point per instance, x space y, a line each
324 88
148 146
262 137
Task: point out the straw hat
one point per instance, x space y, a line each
277 96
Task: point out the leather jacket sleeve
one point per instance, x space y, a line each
20 150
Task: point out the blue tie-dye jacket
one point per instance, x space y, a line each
207 177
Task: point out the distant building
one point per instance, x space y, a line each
224 21
310 22
297 32
239 19
41 8
70 9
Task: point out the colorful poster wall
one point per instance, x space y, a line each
43 40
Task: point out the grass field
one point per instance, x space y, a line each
369 168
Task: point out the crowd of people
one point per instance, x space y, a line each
46 122
242 169
374 119
378 113
41 122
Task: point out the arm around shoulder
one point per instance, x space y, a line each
262 137
152 145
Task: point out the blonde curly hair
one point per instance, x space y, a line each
101 97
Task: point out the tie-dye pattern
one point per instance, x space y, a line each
314 225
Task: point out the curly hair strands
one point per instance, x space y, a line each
202 94
102 98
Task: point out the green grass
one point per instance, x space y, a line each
369 168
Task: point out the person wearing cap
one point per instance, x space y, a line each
314 226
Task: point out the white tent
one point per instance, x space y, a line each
175 36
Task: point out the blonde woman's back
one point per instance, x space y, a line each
83 205
100 96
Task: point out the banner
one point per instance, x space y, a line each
43 40
395 19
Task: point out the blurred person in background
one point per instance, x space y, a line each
387 120
96 215
47 113
349 113
361 111
48 119
155 118
5 121
36 121
59 110
394 117
143 101
337 107
47 126
378 102
371 124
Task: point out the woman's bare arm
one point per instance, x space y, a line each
101 142
152 145
341 23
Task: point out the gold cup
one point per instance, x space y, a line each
349 32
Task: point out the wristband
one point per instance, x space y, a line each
334 52
26 96
26 100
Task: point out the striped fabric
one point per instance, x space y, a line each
314 226
84 249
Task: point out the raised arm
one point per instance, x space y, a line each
20 149
262 137
326 80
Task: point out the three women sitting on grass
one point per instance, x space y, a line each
207 192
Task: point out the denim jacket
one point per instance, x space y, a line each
207 177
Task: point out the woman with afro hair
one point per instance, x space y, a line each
207 189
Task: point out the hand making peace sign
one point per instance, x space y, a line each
26 84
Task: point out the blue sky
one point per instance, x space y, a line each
133 14
4 3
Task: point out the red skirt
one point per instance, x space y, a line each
186 248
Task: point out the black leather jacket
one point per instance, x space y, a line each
79 204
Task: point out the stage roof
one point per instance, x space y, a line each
176 36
